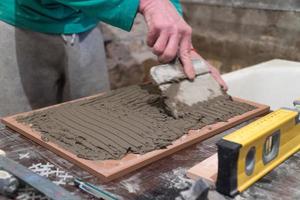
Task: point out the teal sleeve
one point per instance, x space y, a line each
119 13
177 5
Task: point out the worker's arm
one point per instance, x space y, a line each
168 34
177 5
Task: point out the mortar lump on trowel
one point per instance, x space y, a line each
181 94
127 120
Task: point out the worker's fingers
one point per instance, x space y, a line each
161 43
152 36
217 76
195 55
214 72
185 58
171 49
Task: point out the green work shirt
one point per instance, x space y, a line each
69 16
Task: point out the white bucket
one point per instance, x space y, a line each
275 83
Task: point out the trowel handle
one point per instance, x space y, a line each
200 66
167 73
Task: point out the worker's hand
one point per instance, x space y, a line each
214 72
168 34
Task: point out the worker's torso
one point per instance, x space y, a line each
47 16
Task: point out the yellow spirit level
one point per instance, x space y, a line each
249 153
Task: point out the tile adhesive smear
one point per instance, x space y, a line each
127 120
181 93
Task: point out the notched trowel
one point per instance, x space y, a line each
179 91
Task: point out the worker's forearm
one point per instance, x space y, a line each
177 5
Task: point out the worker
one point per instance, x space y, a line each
51 50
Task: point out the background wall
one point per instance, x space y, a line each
238 35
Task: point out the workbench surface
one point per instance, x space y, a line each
164 179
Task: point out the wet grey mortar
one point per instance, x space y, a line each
127 120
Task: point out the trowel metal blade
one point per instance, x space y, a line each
180 91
